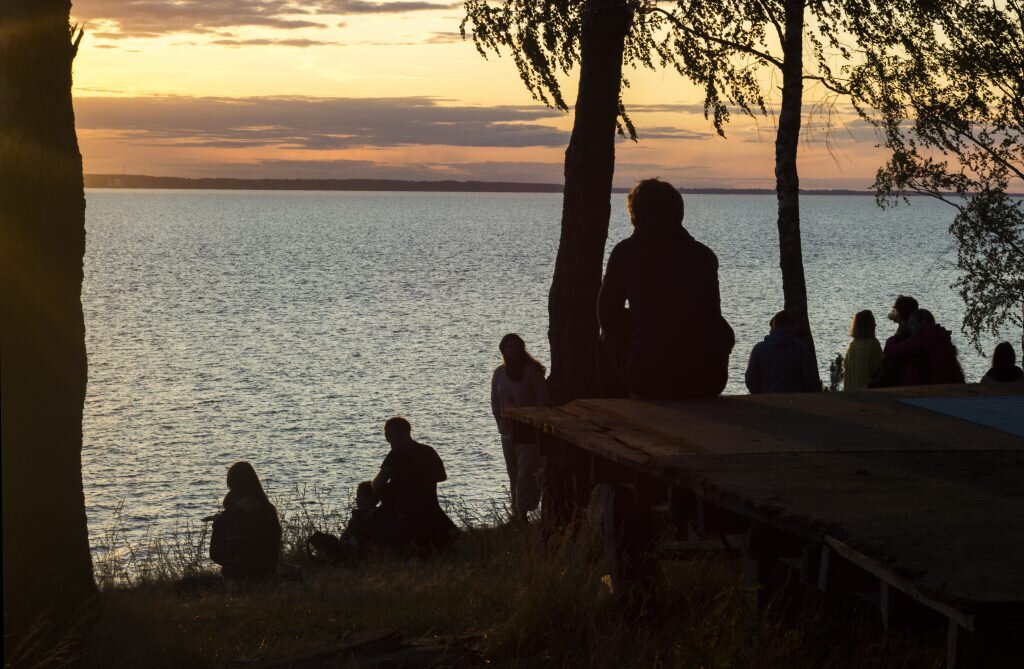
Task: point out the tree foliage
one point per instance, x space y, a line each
945 88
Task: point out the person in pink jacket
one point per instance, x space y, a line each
936 344
519 382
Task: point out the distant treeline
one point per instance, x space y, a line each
447 186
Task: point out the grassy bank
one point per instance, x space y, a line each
519 596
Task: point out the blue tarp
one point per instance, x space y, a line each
1002 413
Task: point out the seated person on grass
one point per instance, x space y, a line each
359 530
373 525
407 487
246 537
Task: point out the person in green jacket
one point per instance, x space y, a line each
864 354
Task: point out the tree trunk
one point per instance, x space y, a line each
787 182
48 583
586 204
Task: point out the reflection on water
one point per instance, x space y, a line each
284 328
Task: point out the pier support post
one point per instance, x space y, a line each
629 542
778 591
992 647
566 481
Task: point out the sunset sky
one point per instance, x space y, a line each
353 89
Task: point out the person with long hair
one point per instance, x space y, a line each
519 382
864 354
246 537
1004 366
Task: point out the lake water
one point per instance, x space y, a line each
283 328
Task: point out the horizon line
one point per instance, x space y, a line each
140 181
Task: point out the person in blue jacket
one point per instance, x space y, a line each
782 363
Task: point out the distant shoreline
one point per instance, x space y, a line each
447 186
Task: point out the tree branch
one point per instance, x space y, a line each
771 17
768 58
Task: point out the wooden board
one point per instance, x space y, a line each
932 500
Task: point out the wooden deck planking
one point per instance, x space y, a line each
953 526
805 423
934 500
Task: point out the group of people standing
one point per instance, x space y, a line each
670 342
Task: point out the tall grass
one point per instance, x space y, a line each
521 596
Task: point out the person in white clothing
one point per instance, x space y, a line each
519 382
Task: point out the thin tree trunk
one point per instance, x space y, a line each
48 581
586 204
787 181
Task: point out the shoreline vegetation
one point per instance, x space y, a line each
506 595
445 186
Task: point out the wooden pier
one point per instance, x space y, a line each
882 494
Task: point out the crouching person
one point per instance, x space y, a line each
246 538
373 525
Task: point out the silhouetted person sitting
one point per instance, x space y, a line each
372 525
672 342
893 371
407 487
782 363
1004 366
863 355
929 343
246 537
359 529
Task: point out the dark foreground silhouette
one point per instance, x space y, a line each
672 342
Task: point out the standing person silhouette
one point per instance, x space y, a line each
246 537
672 342
519 382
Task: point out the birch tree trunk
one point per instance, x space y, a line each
586 204
48 583
787 181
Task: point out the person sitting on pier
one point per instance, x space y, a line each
932 345
519 382
672 342
892 372
1004 366
246 536
782 363
863 355
407 487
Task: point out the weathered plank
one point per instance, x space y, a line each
795 423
